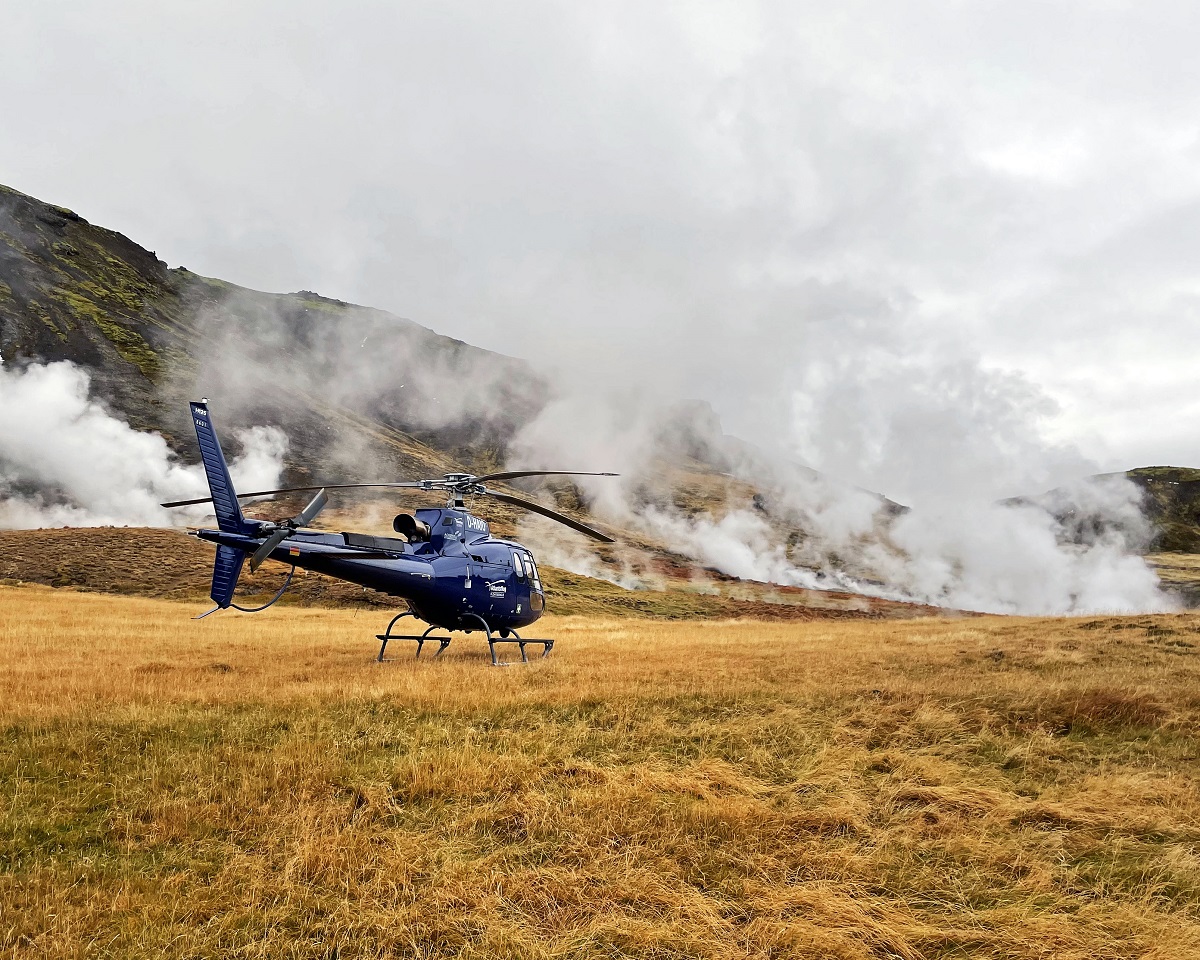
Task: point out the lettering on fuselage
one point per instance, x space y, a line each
474 523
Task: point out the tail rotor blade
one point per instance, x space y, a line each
268 547
302 519
309 513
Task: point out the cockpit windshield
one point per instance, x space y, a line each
524 567
534 579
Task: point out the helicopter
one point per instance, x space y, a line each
453 574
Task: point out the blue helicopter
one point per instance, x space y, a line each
453 574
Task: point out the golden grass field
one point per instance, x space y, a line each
260 787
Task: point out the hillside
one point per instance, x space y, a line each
154 337
361 394
365 395
1172 503
166 564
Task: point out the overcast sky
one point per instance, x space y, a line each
882 235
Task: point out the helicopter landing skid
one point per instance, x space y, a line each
387 635
444 642
547 646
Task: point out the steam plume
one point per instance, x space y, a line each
959 547
949 435
66 461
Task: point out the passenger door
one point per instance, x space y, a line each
495 572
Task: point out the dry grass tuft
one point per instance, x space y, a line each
259 787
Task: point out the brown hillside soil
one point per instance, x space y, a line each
258 786
168 564
1180 573
153 563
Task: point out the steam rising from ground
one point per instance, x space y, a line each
1014 559
325 356
819 221
66 461
953 436
1069 554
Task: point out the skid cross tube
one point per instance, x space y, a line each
387 635
547 645
444 642
487 632
514 637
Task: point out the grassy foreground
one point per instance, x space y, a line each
258 787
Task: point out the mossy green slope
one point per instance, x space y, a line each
152 337
1171 500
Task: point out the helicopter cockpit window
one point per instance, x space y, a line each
533 572
518 565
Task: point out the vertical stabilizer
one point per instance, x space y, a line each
229 514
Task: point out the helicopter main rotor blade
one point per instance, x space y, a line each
553 515
514 474
267 493
268 547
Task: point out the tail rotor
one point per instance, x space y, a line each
278 532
